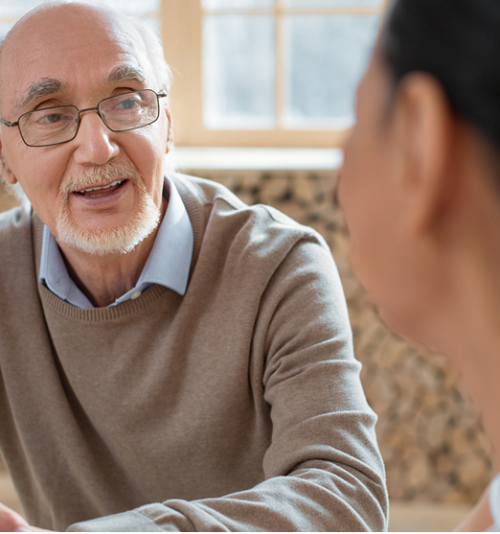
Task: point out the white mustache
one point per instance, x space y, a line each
97 175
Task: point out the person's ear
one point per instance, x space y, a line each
170 131
5 171
424 125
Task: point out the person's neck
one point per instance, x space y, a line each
483 386
105 278
469 333
478 359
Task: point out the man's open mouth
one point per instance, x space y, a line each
99 191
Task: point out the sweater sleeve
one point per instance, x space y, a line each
323 470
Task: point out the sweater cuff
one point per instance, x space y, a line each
132 521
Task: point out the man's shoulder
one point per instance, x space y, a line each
219 201
250 240
204 192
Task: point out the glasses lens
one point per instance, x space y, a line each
49 126
130 110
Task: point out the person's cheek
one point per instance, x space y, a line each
354 195
347 187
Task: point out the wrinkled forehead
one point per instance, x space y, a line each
73 44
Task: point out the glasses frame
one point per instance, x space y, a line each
161 94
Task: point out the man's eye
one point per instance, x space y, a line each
128 104
53 117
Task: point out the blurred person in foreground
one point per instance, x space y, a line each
171 358
420 189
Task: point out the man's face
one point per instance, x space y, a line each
75 55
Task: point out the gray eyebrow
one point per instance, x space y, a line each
126 73
43 87
49 86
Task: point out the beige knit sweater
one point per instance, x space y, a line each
235 407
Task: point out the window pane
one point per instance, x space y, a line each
237 4
17 8
239 71
333 3
325 59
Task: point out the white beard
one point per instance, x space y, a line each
120 239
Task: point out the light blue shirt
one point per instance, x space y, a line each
168 263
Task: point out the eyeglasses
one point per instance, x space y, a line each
59 124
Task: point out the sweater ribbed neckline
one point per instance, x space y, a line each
131 306
101 314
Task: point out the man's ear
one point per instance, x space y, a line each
170 131
424 132
5 171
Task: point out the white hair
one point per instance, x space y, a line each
154 49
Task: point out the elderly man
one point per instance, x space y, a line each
171 359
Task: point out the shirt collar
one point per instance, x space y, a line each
168 263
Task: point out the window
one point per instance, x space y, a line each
266 72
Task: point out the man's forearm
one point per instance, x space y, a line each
311 499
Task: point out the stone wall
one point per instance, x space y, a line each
430 435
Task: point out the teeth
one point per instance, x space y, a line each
101 188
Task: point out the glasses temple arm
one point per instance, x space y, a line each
9 124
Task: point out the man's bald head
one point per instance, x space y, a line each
41 24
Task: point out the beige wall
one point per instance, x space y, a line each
429 433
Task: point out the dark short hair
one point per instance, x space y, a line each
458 42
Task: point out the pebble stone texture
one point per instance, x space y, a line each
429 432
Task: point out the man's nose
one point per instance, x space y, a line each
94 141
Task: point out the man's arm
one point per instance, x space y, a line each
323 470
